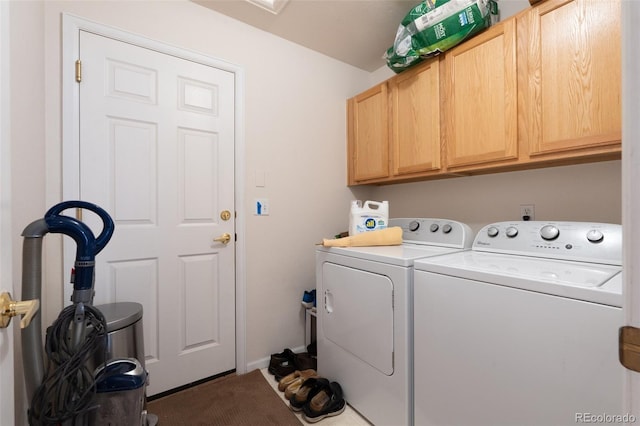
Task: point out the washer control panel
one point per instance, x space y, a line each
580 241
440 232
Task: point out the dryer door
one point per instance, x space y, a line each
358 314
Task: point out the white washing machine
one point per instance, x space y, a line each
522 329
364 316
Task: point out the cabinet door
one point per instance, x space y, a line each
481 98
415 120
368 135
573 93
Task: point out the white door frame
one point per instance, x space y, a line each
630 191
7 372
71 25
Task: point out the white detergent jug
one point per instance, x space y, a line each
370 216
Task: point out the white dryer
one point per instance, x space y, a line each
522 329
364 316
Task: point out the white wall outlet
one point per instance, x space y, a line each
261 207
527 212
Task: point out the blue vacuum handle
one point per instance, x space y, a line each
87 245
107 223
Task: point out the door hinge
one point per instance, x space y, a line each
78 71
629 347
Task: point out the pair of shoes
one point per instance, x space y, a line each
312 348
327 402
305 361
291 383
287 362
306 391
309 299
282 364
290 378
318 398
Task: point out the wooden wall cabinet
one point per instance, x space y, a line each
480 99
368 136
394 128
570 78
542 88
415 121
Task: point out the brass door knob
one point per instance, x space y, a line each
224 238
9 308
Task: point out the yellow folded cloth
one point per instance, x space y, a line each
382 237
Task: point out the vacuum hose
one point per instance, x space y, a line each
87 248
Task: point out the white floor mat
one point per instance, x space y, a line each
348 417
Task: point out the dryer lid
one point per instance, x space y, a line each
400 255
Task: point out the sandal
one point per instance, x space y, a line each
292 377
295 385
307 390
327 402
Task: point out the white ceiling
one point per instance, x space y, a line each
357 32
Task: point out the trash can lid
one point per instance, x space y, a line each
120 315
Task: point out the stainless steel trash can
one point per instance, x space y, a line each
125 337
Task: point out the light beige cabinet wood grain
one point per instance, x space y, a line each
415 120
570 68
394 127
480 98
368 135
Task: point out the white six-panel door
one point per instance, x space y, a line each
157 153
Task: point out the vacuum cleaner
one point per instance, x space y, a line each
81 384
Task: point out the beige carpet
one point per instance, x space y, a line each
242 400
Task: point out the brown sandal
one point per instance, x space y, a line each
287 380
307 391
295 385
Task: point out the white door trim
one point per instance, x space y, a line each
630 192
7 371
71 25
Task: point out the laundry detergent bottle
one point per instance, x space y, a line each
368 216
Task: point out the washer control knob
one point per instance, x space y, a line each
512 231
595 236
549 232
434 227
414 225
492 231
446 228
